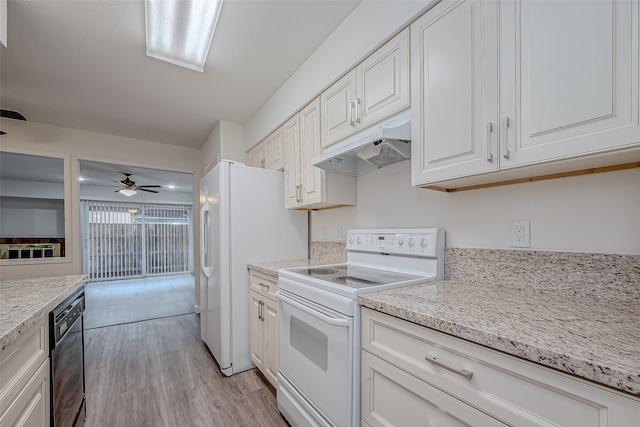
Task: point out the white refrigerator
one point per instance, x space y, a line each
242 220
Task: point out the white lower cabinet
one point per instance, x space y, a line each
264 324
25 380
415 376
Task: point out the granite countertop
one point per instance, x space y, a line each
272 267
594 337
23 303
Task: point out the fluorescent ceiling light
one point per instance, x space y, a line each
180 31
127 192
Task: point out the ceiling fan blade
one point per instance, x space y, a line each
149 191
149 186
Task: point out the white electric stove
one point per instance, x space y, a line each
319 319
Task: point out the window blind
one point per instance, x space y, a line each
126 240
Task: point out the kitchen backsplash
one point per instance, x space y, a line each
606 276
329 252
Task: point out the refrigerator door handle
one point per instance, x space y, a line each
204 244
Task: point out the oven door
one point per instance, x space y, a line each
316 357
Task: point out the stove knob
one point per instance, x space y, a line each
351 239
400 241
359 239
411 242
424 242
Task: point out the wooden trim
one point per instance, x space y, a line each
588 171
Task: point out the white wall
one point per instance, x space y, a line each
226 141
32 189
31 217
590 213
79 144
369 26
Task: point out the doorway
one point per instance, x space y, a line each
132 240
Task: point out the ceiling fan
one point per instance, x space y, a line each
129 187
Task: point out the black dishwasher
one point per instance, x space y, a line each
66 329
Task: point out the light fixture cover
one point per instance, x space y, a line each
127 192
180 31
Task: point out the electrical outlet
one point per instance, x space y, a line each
520 233
338 234
324 232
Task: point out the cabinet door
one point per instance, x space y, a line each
569 85
312 177
257 331
255 157
391 397
32 406
454 91
338 110
273 150
383 82
271 341
292 174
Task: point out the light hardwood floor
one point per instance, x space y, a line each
124 301
159 373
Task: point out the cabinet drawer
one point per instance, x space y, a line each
391 397
264 284
20 361
512 390
32 405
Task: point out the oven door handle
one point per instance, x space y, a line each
343 323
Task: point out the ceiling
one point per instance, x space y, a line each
23 167
82 64
103 174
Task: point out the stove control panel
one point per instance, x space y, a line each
407 241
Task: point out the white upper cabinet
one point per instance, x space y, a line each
454 91
273 151
255 156
502 85
307 186
572 85
377 88
269 153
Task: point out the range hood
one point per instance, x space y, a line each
369 150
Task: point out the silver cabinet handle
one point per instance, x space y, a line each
487 143
261 311
358 117
505 138
352 108
462 372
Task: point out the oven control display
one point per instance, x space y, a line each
384 240
411 242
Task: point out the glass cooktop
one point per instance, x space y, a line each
353 276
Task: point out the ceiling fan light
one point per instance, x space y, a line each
180 31
127 192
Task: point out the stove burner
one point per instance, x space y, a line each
322 271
